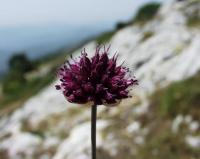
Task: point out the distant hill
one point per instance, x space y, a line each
40 40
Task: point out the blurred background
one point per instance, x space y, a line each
159 41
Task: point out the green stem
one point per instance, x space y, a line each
93 130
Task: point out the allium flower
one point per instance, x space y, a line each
99 79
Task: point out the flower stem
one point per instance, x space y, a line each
93 130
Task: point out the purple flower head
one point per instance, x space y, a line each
99 79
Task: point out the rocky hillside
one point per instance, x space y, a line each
162 120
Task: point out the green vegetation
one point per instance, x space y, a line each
17 87
162 143
20 63
180 97
105 37
146 12
179 49
146 36
193 21
12 82
20 91
191 12
122 25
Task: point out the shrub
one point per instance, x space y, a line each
16 88
105 37
146 36
12 82
122 25
20 63
147 12
193 21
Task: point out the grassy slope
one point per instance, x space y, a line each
33 86
178 98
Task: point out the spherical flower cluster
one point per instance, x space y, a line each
98 80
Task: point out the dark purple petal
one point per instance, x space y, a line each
67 93
58 87
88 88
71 98
110 98
78 93
123 94
99 88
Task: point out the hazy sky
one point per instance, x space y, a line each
75 12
